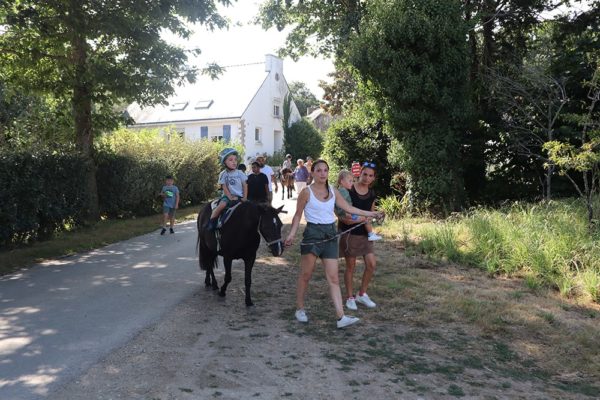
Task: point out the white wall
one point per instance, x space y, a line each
192 130
260 112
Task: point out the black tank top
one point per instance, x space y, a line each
364 202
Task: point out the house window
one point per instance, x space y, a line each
178 106
204 132
227 133
276 111
258 135
203 104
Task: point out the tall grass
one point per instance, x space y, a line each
548 244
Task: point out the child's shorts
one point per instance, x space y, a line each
169 210
316 235
228 203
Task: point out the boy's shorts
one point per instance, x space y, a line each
320 233
169 210
228 203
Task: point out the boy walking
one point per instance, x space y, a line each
170 195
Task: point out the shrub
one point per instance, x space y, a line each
352 139
42 188
391 206
302 139
41 193
133 165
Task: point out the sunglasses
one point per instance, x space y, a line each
368 164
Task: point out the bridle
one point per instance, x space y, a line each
279 240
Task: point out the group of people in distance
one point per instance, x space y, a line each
351 204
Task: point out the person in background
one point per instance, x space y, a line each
268 171
301 175
258 184
242 167
309 163
320 239
287 163
170 195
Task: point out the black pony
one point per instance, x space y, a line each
239 239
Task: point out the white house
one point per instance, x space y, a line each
245 104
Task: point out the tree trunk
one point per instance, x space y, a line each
549 172
488 21
82 110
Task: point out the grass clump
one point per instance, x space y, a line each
548 244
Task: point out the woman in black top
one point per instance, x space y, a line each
356 242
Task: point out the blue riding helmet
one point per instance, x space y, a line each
225 153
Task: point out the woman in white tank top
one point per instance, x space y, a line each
320 238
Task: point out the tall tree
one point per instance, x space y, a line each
498 39
303 97
423 86
318 27
97 54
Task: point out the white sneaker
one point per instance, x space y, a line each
365 300
351 304
301 316
373 237
346 320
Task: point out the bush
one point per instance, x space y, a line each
133 165
42 189
302 139
348 140
41 193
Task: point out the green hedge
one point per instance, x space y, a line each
42 190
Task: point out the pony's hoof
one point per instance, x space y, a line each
222 294
249 304
215 287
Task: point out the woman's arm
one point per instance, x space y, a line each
343 204
300 204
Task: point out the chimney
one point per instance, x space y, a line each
273 63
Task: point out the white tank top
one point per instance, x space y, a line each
319 212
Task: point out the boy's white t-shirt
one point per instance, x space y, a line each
234 181
268 171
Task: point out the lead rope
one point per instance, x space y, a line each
334 236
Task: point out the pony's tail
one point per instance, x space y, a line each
206 257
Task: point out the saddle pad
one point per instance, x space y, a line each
225 216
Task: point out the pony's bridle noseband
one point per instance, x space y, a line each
279 240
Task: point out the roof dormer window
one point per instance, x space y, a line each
203 104
179 106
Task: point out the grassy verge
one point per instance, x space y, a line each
97 235
547 244
447 330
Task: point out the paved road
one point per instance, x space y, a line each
60 317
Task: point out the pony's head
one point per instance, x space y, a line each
270 227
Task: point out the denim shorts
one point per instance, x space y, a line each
169 210
316 236
228 203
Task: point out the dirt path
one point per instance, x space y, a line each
415 345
